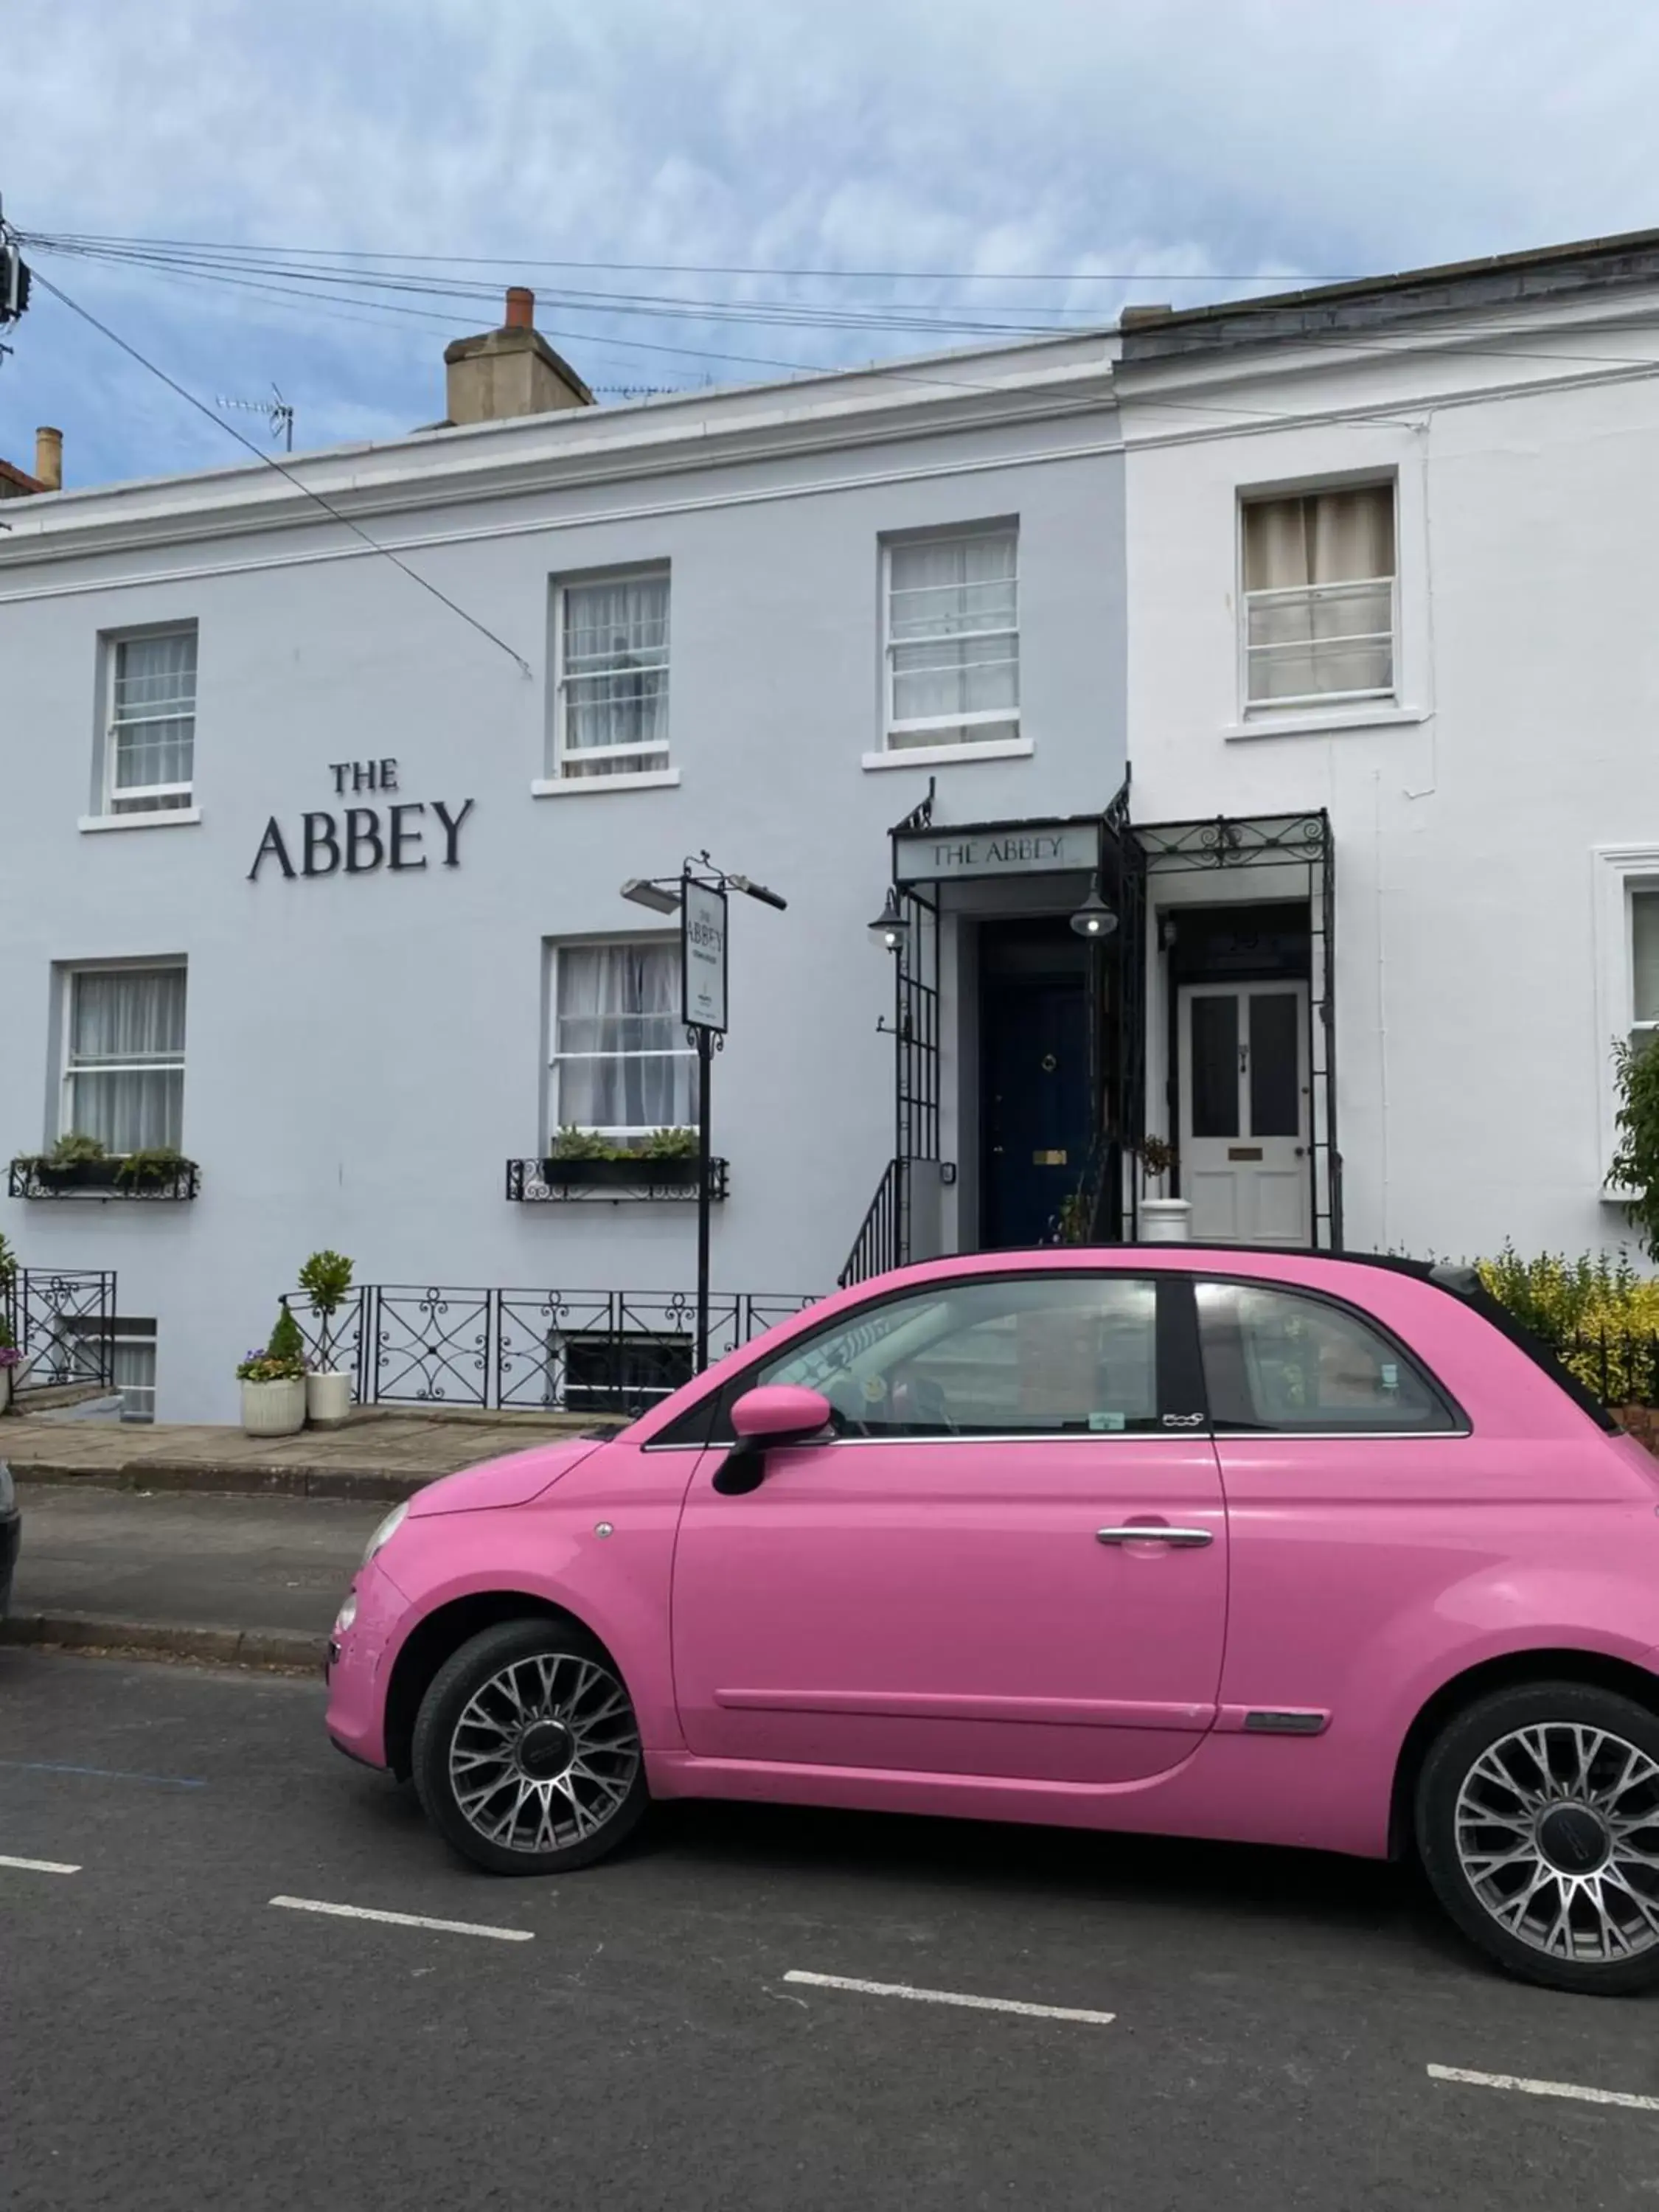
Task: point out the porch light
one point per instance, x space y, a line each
1094 918
657 896
890 928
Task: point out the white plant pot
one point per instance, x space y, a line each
1166 1221
328 1399
274 1409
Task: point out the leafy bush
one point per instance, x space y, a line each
1635 1170
574 1143
282 1360
325 1279
159 1163
1595 1312
286 1341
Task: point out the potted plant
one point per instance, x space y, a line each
1162 1220
75 1162
159 1164
325 1279
274 1383
577 1158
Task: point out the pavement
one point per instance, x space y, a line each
375 1455
253 1579
632 2038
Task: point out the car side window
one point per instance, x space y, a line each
1280 1361
1062 1354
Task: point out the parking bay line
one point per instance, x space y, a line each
952 1997
404 1919
1530 2088
103 1773
39 1866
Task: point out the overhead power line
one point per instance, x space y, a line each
271 462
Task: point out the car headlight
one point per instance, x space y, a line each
8 1489
347 1614
387 1530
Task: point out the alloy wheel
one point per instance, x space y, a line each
544 1753
1557 1832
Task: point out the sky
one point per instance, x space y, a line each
1102 151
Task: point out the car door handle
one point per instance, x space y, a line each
1156 1532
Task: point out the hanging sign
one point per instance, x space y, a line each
703 957
1017 848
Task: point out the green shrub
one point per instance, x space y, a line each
286 1341
1635 1170
1595 1312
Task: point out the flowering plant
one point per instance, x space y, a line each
264 1366
10 1355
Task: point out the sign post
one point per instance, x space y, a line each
704 1010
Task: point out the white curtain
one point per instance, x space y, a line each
154 716
621 1059
616 676
1328 560
126 1057
1644 955
954 634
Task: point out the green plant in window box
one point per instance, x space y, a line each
74 1161
583 1157
158 1163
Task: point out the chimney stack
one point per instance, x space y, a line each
49 458
510 372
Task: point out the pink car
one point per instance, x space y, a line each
1280 1547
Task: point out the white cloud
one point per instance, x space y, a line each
1186 137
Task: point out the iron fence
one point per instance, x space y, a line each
62 1322
1621 1366
489 1350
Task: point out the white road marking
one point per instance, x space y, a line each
952 1997
406 1919
1530 2088
40 1866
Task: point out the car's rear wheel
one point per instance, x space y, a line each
526 1752
1538 1824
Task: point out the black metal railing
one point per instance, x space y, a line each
101 1179
881 1242
552 1350
62 1322
543 1182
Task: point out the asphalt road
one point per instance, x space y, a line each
171 2038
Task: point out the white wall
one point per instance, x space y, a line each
365 1052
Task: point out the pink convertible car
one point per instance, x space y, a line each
1280 1547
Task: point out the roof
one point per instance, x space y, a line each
14 484
1584 266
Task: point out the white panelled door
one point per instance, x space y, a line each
1244 1112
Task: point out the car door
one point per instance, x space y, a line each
955 1581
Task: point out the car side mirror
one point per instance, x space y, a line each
777 1413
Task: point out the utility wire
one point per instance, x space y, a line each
720 269
270 461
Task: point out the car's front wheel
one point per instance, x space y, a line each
1538 1824
526 1753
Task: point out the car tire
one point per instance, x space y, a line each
526 1755
1538 1827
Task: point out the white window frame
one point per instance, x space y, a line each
123 1332
892 723
1619 871
1312 703
561 776
685 1050
66 1068
181 796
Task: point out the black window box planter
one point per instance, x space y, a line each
542 1183
100 1179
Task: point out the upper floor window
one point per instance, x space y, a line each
1643 1010
149 736
623 1064
1320 603
611 683
952 653
124 1062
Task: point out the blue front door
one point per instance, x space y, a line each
1034 1048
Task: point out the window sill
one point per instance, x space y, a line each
159 820
947 755
1313 724
586 787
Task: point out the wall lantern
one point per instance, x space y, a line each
890 928
1094 918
